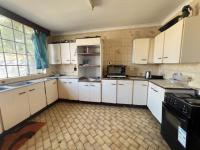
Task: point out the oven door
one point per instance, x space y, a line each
174 128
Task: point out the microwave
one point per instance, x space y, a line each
116 71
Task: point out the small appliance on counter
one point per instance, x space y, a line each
181 121
148 75
116 71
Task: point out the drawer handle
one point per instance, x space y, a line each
92 85
154 90
85 85
70 82
31 90
121 84
144 85
22 93
159 58
65 82
165 57
113 84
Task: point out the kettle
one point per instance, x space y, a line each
147 74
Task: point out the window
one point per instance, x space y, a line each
16 49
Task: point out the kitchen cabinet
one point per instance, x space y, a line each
172 45
88 42
65 53
109 91
141 49
90 91
68 89
51 91
1 126
54 52
124 91
140 91
159 48
155 98
37 97
14 106
73 52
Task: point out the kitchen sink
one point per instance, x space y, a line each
20 84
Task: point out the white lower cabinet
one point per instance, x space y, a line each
37 97
155 98
90 91
51 91
14 106
124 91
140 92
68 89
109 91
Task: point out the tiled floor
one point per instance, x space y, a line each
87 126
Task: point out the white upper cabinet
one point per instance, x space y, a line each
88 41
158 48
141 51
54 52
73 52
62 53
172 46
65 53
124 91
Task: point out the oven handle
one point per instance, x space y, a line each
177 115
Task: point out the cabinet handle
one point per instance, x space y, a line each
22 93
85 85
121 84
113 84
165 57
154 90
70 82
92 85
159 58
144 85
73 60
65 82
31 90
143 59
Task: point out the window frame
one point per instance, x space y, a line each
26 53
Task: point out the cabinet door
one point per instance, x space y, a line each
158 49
14 107
172 45
141 51
124 92
65 53
140 92
68 89
109 91
84 91
37 97
155 99
54 52
51 91
95 92
73 50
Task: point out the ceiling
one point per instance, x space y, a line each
64 16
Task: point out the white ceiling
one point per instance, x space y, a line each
62 16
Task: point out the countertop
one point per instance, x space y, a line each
166 84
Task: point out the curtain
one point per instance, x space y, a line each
40 45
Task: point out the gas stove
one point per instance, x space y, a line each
183 103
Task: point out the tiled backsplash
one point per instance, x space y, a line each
117 48
191 70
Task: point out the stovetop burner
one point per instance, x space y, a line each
193 101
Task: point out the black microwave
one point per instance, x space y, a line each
116 71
